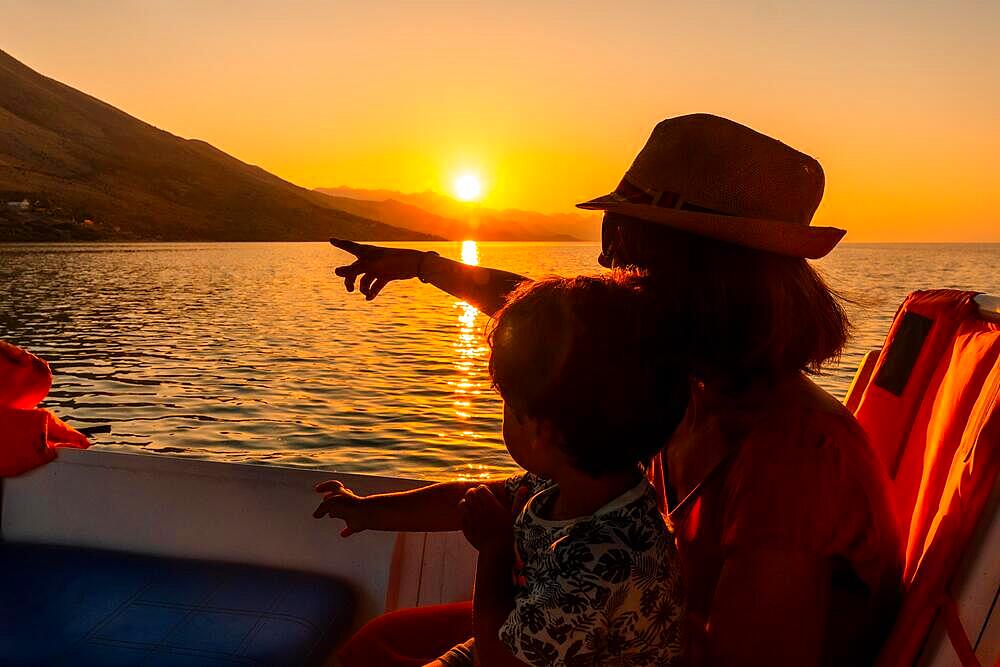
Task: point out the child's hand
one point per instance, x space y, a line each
339 502
485 522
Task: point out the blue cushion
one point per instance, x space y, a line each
70 606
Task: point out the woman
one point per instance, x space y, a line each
780 508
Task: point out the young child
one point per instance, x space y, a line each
589 396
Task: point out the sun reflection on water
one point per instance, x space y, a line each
470 364
470 253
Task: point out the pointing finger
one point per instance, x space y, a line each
356 249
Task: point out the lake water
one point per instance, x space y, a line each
255 353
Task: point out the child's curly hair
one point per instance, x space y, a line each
588 356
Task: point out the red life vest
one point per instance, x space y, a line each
28 435
932 411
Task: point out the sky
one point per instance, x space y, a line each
548 102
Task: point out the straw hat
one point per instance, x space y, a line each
713 177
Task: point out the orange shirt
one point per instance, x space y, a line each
788 468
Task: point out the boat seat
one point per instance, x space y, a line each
74 606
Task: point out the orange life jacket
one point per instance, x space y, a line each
932 411
28 435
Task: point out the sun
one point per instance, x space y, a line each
468 187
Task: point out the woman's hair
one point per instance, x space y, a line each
739 313
583 355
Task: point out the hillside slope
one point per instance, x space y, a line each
452 219
91 171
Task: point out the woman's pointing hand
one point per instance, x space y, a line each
377 266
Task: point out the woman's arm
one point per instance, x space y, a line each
770 608
429 508
483 287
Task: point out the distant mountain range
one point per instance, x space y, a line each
75 168
452 219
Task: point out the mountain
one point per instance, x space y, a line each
73 167
452 219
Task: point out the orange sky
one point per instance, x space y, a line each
550 101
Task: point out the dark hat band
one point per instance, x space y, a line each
629 193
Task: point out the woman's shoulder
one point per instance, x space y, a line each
808 461
802 421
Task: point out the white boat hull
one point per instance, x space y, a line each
228 512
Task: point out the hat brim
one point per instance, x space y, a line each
783 238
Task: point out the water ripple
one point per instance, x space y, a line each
254 352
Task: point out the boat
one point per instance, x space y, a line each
121 558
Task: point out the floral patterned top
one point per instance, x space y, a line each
603 589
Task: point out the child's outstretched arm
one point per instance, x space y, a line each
429 508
